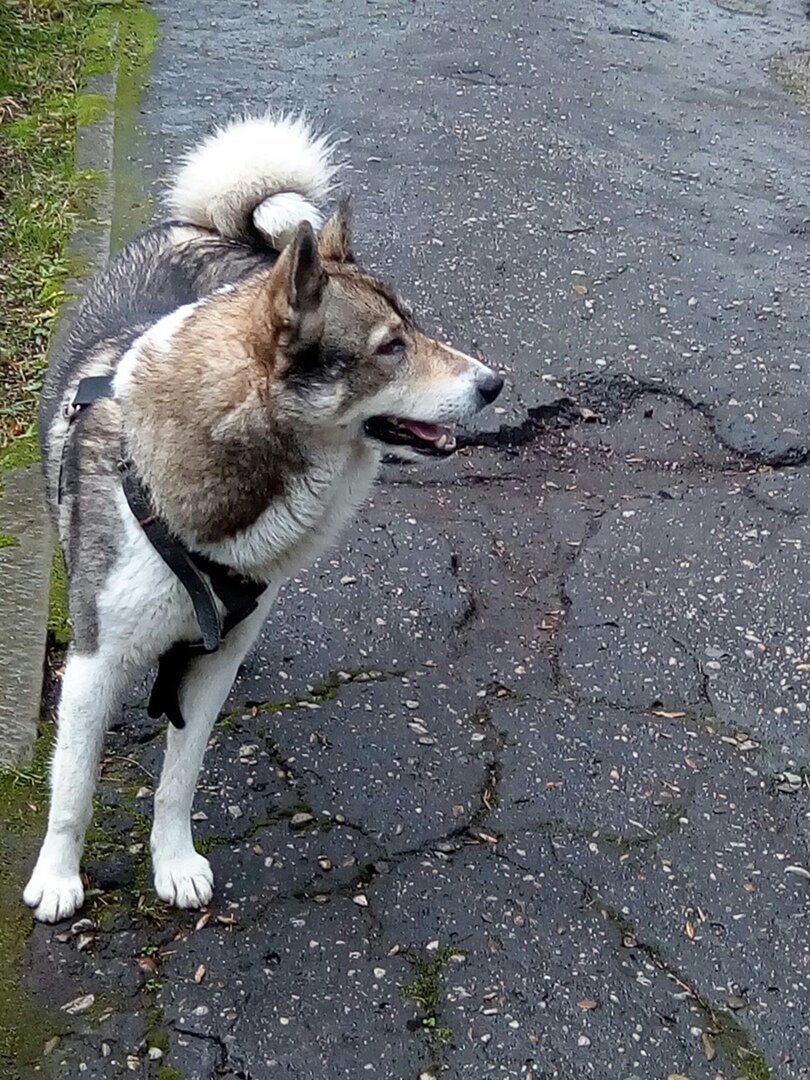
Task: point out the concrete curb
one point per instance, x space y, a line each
26 557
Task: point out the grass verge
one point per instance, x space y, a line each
48 50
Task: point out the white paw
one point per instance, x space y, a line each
186 882
54 896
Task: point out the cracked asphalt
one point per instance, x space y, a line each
516 782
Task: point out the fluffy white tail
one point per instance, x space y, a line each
267 172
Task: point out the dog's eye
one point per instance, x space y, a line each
394 347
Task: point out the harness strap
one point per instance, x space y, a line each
238 595
90 389
178 560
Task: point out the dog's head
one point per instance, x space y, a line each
347 355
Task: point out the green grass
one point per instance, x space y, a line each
44 54
48 49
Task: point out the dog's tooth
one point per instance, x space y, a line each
442 441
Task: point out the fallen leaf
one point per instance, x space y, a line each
226 920
668 714
199 974
587 1003
690 931
147 964
203 921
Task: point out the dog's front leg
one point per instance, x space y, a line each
183 877
91 689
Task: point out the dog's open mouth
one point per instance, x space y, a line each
436 439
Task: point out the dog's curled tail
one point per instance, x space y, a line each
256 175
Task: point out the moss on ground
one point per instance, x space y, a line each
792 69
26 1024
426 991
734 1044
90 108
7 541
24 450
58 618
137 37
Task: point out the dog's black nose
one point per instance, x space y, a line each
489 388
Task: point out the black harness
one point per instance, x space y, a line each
201 577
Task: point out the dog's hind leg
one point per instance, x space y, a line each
182 876
91 689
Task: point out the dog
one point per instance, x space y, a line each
217 412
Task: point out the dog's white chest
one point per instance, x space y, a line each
295 529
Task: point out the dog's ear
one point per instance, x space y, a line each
335 239
298 278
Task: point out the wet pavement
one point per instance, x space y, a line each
516 783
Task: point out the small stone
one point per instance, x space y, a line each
133 1062
235 811
82 926
583 1040
80 1005
348 579
51 1045
411 704
325 863
298 820
201 1010
735 1002
143 793
379 973
361 900
788 782
199 815
84 942
799 871
155 1053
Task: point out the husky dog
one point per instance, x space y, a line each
248 377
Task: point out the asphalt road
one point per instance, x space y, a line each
516 783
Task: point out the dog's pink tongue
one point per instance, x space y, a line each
428 432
